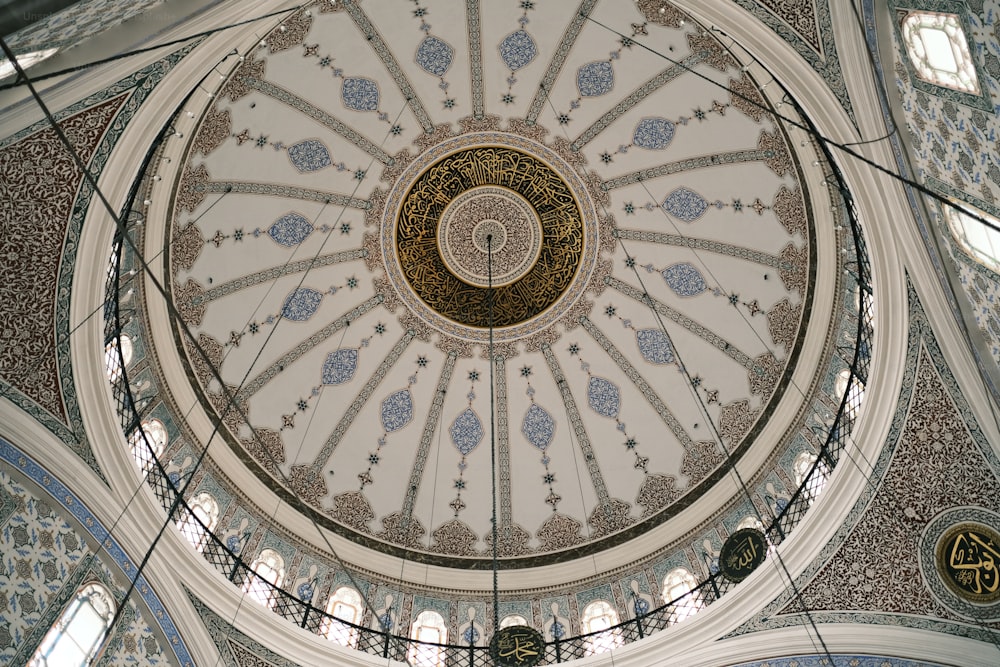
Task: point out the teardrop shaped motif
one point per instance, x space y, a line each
655 347
434 55
517 50
339 366
538 426
397 410
290 229
301 304
684 279
653 133
685 204
466 431
603 397
309 155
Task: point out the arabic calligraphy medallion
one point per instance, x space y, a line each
968 558
481 199
517 646
742 553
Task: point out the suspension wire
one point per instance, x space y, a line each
493 437
22 78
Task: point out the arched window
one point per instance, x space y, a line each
975 238
513 619
856 395
113 363
76 636
345 605
939 50
270 568
428 627
813 483
750 521
679 588
156 436
198 523
600 617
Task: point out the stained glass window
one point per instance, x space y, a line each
156 437
977 239
270 568
677 588
428 627
197 523
346 605
74 639
939 50
601 617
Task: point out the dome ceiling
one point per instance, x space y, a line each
375 183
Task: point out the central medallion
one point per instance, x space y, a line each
512 199
489 220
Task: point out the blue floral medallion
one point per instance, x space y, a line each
466 431
603 397
653 133
360 94
684 279
518 49
309 155
685 204
397 410
595 78
290 230
655 347
339 366
300 305
434 56
538 426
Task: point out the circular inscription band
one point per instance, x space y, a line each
517 200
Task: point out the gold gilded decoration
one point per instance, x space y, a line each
541 281
968 556
742 553
517 646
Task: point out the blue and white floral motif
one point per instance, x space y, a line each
309 155
300 305
538 426
653 133
684 279
655 347
360 94
339 366
290 230
434 55
466 431
685 204
471 635
595 78
518 49
603 397
397 410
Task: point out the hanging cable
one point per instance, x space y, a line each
493 438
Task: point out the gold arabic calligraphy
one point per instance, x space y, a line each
742 553
518 647
562 243
969 556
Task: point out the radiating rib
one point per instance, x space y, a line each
638 95
322 117
423 449
293 355
707 245
559 59
677 317
276 272
583 440
640 383
275 190
473 20
389 61
731 157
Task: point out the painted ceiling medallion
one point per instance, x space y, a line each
478 192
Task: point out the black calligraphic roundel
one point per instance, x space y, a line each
968 560
517 646
741 553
